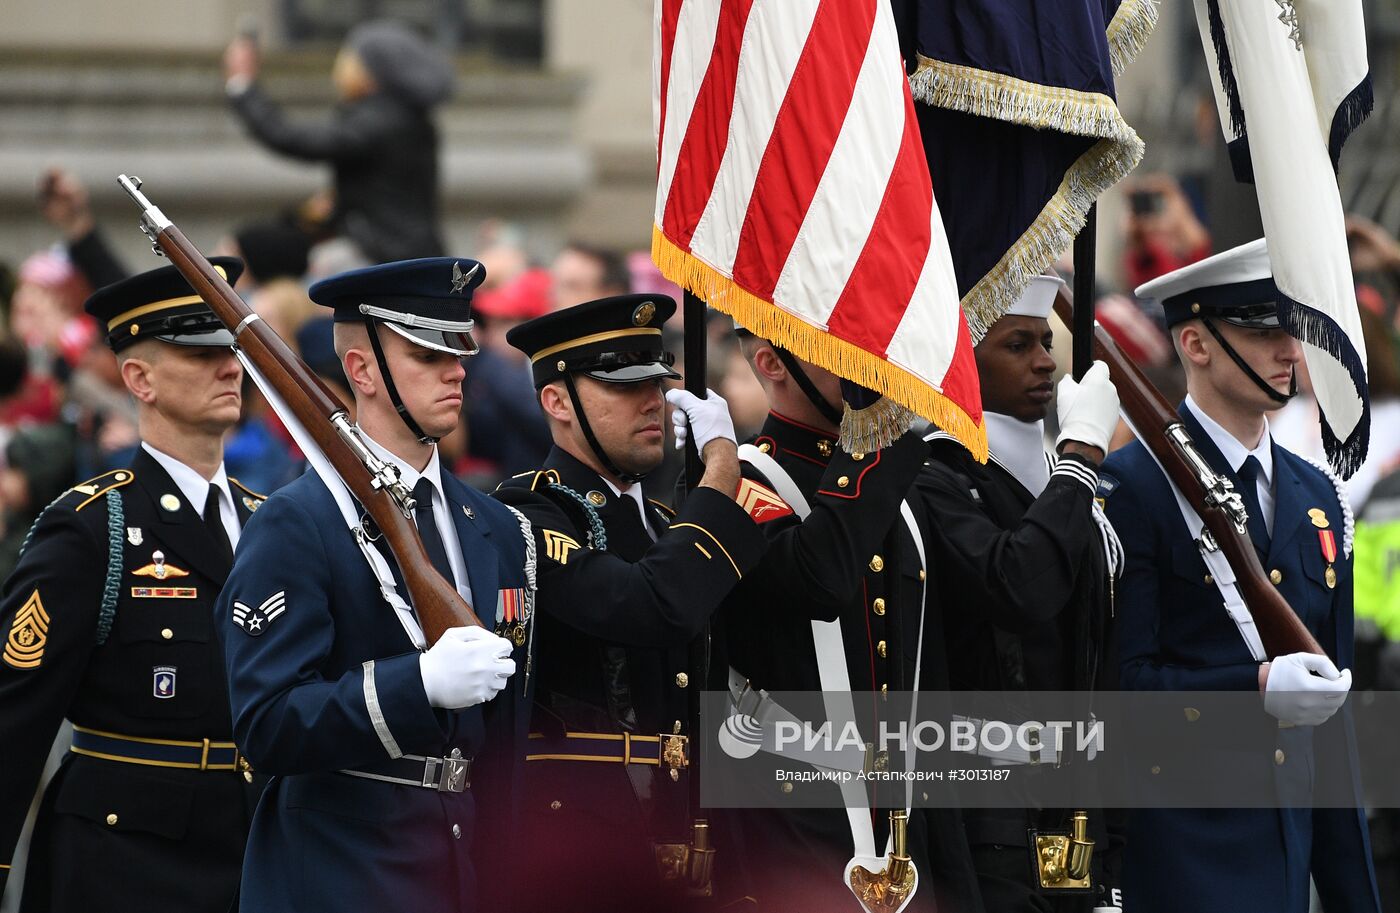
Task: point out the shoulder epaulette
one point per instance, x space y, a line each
537 477
662 506
1348 519
246 490
95 488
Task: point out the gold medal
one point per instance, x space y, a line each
1331 577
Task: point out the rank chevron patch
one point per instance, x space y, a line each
557 546
760 502
255 621
24 648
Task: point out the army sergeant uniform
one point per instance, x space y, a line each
624 586
108 622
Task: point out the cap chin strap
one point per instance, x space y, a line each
372 326
1259 382
819 402
598 451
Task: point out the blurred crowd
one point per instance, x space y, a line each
65 416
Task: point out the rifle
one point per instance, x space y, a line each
1211 494
373 482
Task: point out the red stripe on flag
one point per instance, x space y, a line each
804 133
670 15
707 134
960 383
886 273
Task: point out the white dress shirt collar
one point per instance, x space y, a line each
410 476
634 492
442 511
195 489
1231 448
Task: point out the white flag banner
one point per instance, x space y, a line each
1291 83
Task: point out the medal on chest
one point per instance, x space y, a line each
1327 541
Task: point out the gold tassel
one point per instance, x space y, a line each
820 348
874 427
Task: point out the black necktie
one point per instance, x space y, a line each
428 531
1249 485
214 522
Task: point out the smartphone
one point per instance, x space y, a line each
1145 202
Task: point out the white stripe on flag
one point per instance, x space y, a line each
690 58
927 335
773 40
848 196
656 73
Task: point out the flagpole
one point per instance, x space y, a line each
694 356
1084 266
701 855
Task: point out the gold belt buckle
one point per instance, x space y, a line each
674 752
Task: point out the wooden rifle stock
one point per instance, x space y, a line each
321 413
1160 429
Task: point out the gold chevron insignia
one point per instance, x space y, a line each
761 502
24 648
557 546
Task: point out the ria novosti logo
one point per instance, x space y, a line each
741 736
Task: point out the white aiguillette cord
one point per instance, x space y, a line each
343 500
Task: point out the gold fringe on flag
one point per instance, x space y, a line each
1017 101
863 431
1128 32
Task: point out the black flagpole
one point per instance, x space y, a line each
695 360
695 354
1083 329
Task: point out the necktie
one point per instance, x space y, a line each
214 522
1249 490
428 531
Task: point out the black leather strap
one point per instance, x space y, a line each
598 451
1248 371
372 326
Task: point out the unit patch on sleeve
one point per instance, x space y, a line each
24 648
760 502
558 546
255 621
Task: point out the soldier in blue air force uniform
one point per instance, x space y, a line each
1176 635
392 761
106 621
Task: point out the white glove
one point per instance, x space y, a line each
1088 408
708 417
1293 694
466 667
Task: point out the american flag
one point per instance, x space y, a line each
793 194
